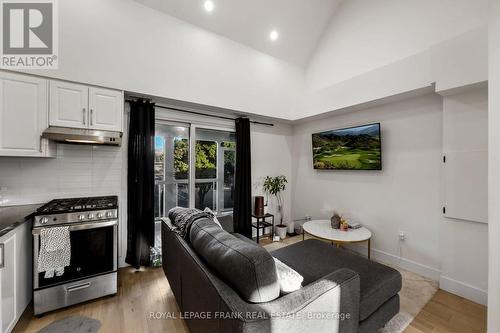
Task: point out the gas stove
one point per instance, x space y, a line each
74 210
93 235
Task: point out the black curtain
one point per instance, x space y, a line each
243 180
140 183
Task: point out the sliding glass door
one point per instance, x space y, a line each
194 167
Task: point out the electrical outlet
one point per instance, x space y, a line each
402 235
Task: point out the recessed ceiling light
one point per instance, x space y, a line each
274 35
209 6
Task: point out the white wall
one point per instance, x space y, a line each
272 156
129 46
122 44
494 169
461 60
378 49
404 196
365 35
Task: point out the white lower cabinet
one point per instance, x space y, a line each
15 275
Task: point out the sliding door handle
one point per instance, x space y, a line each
2 255
84 113
91 117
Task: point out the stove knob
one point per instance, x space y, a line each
44 220
99 215
109 214
81 217
91 216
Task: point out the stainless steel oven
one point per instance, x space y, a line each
92 272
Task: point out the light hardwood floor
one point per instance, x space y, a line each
139 293
448 313
147 290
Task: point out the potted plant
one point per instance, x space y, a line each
275 186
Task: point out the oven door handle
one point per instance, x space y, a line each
77 287
82 226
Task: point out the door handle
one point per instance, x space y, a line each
2 256
91 117
78 287
84 111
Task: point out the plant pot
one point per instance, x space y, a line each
281 231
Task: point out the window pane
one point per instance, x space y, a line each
205 195
215 155
159 158
171 168
181 158
206 159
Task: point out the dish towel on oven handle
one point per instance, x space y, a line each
55 251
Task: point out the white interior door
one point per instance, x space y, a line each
68 104
106 109
466 185
23 114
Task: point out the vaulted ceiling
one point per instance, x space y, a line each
300 23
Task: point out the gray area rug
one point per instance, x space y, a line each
73 324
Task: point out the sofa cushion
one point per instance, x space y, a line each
288 278
247 267
314 259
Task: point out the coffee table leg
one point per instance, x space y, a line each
303 234
369 248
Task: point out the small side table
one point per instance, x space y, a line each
261 223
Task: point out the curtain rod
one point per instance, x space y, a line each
202 114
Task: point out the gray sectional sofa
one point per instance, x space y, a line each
226 283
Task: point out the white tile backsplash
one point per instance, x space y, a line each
76 171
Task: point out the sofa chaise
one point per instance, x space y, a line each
226 283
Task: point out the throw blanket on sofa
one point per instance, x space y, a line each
182 218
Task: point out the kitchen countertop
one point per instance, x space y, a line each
13 216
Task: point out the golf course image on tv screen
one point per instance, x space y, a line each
354 148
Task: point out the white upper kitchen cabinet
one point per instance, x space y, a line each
23 115
80 106
68 104
106 109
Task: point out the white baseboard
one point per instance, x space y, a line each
393 260
463 289
453 286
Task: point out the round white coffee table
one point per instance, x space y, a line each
322 229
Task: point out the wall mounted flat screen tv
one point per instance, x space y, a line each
353 148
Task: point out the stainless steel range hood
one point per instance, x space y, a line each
82 136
